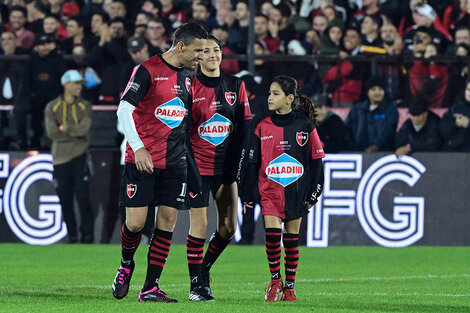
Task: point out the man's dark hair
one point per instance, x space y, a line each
376 19
262 15
461 27
78 19
189 32
104 16
213 38
19 8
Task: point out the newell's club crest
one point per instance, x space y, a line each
302 138
231 97
131 190
187 83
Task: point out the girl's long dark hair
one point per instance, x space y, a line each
302 104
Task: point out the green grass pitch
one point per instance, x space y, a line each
77 278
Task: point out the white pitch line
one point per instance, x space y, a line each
429 276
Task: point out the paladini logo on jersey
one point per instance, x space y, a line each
231 97
284 170
171 113
215 129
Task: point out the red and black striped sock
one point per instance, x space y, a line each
216 246
156 257
129 243
291 258
273 251
194 253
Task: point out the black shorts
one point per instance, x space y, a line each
209 184
162 187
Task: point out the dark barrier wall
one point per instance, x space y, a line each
369 199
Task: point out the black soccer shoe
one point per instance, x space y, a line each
122 280
155 295
206 283
199 293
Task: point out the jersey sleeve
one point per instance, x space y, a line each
315 145
138 85
250 169
243 104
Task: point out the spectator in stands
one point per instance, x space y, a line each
158 43
280 25
458 71
53 28
40 12
393 45
151 6
320 23
454 126
238 38
117 8
424 16
201 14
262 33
140 24
264 70
68 121
97 20
370 8
454 15
426 77
68 10
370 30
76 32
225 16
391 40
330 127
343 81
174 12
108 56
40 84
17 22
90 8
330 42
371 124
311 41
420 132
228 66
55 7
137 48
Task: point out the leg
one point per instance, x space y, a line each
291 257
195 244
63 182
79 174
248 226
273 226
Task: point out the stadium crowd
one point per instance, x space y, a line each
107 38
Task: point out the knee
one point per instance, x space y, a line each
198 228
133 226
227 230
166 221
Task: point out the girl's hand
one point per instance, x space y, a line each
247 205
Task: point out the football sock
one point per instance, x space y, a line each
291 258
156 257
273 251
216 246
194 253
129 243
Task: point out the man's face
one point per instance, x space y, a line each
462 36
200 13
155 30
8 41
241 11
73 88
192 54
117 9
116 30
376 94
351 40
17 20
320 23
220 34
50 25
367 26
44 49
72 28
420 119
275 15
96 22
388 33
321 111
261 26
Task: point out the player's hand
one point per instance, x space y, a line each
406 149
247 205
308 205
143 161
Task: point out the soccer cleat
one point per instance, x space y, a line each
155 295
199 293
273 290
206 283
289 295
122 280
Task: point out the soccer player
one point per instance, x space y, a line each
152 111
219 116
285 158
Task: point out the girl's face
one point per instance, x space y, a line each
212 56
278 100
335 34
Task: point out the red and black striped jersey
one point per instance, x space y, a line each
160 93
219 111
284 147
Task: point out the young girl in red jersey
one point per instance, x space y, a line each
285 158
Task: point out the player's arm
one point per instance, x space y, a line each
316 168
136 89
244 129
250 172
194 176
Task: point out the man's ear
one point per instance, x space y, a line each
179 46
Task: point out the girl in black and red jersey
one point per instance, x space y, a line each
219 116
285 158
